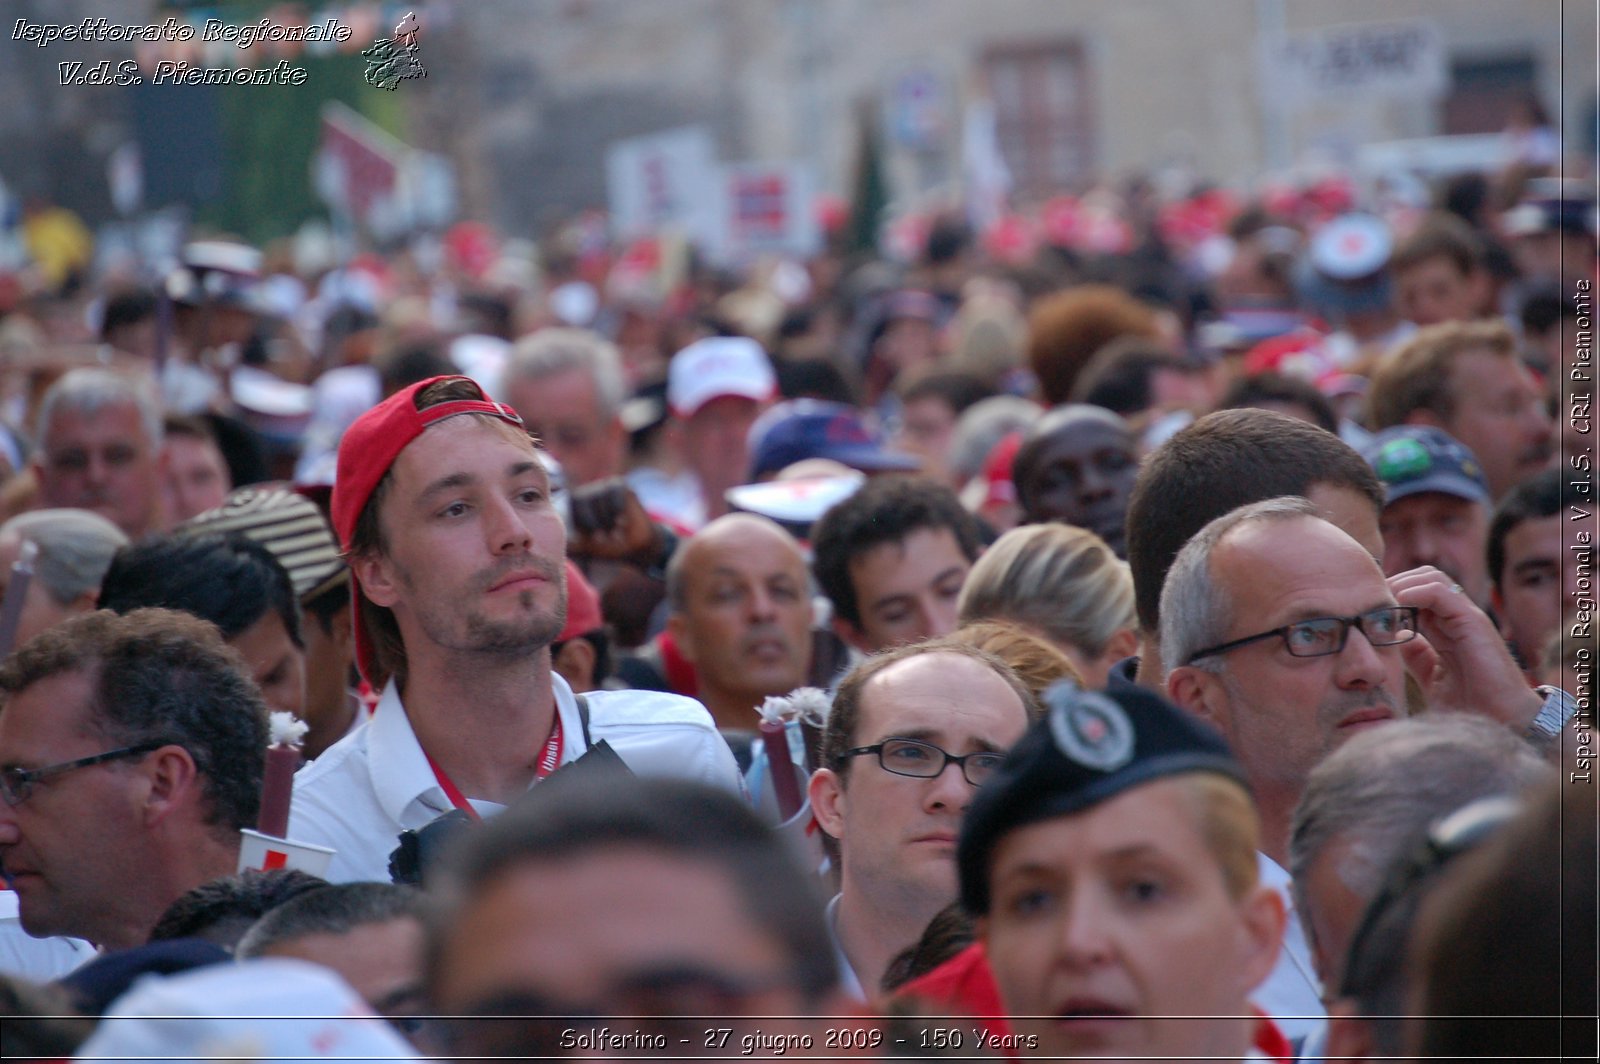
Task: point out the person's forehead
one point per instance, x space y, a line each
1155 818
467 442
400 935
723 407
554 393
1289 566
746 548
116 422
939 691
1482 371
194 450
924 547
1434 267
1535 537
41 721
571 926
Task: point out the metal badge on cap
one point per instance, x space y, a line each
1089 728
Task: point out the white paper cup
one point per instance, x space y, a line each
264 853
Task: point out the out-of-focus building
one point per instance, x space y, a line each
525 97
1078 90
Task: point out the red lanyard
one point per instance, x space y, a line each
549 761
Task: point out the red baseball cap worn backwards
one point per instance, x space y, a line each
367 451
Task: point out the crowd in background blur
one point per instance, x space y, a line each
779 474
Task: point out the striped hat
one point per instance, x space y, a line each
287 524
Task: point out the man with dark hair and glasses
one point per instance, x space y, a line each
1282 631
914 732
131 753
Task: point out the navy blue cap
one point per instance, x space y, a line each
810 428
1089 746
1412 459
96 984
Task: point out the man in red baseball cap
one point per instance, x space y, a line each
443 509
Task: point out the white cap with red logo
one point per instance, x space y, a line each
717 366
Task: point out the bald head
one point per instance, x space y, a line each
741 612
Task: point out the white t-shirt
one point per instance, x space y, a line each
375 783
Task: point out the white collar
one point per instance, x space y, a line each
401 775
849 981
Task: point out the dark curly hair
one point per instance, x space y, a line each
887 509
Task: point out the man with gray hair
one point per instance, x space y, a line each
1287 694
569 388
1364 808
1257 616
98 444
74 549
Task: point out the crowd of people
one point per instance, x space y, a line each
1177 649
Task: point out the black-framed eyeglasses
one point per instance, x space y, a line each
1320 636
913 757
17 783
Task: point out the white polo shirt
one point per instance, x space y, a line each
375 783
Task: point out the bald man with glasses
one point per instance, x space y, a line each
1282 631
913 734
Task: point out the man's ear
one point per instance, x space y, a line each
826 793
1123 644
341 627
575 663
682 636
1497 603
1199 692
377 582
851 634
174 780
1482 287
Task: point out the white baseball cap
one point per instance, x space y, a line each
270 1008
716 366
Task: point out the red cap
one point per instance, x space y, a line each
999 487
583 606
367 450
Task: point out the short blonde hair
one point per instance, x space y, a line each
1230 825
1057 579
1037 662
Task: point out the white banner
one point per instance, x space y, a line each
766 209
661 181
1366 60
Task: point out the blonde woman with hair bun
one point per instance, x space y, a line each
1063 583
